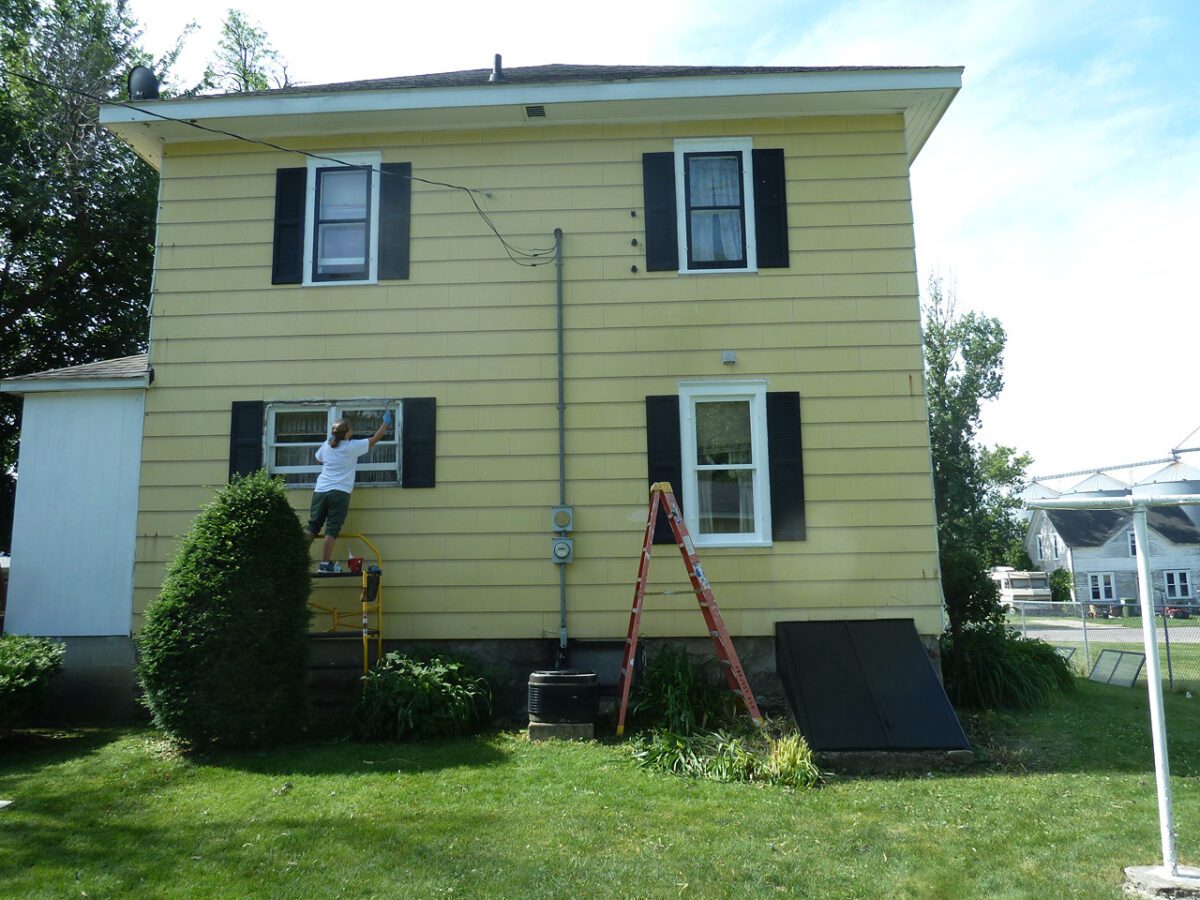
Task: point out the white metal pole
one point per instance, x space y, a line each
1158 727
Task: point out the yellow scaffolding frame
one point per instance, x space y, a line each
370 600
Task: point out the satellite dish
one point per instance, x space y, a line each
142 84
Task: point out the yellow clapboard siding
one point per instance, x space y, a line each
469 558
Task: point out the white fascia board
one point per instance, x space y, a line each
922 95
799 83
35 386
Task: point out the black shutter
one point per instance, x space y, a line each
395 213
287 260
664 457
658 195
246 437
787 466
419 442
770 209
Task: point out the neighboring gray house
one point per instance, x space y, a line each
1097 545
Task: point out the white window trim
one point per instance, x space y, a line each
1099 578
374 160
755 391
745 146
334 410
1131 537
1168 587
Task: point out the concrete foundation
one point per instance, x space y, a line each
1156 881
96 685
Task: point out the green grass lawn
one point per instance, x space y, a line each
1060 801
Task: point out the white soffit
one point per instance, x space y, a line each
921 95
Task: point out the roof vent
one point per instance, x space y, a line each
497 70
535 112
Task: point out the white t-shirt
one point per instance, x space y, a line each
337 465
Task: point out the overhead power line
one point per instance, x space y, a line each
522 256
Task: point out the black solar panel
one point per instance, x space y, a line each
864 685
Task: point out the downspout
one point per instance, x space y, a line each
561 662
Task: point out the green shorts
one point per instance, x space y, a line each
328 509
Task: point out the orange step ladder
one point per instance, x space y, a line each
661 495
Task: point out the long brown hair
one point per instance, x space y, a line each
338 433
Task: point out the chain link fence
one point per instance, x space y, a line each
1081 631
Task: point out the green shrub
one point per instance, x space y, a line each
224 648
766 755
406 698
990 667
679 695
1061 585
27 668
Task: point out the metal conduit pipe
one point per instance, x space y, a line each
562 451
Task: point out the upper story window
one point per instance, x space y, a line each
1132 538
342 233
715 205
343 221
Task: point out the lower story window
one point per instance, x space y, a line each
1179 585
1101 586
726 485
296 430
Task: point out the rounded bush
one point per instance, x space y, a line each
224 648
27 668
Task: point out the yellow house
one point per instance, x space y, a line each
731 254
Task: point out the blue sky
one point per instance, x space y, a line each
1059 194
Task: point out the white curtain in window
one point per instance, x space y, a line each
716 233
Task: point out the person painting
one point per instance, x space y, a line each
338 457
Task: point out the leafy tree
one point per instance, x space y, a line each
224 648
974 486
245 59
77 206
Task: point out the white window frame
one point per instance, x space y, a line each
335 410
745 147
1101 580
1177 584
374 160
1132 538
1041 550
754 392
